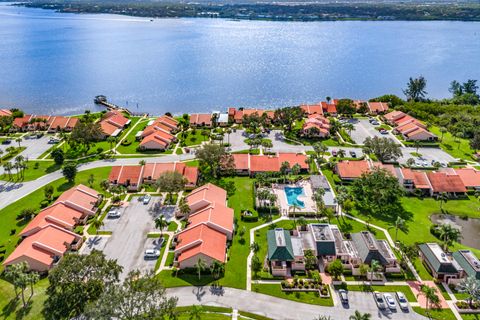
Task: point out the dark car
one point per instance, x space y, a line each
6 141
353 154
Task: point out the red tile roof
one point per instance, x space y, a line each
293 159
442 182
390 168
201 119
264 163
241 161
217 215
201 239
470 177
352 169
153 171
377 107
42 247
109 129
419 178
312 109
62 122
207 194
268 163
5 113
126 175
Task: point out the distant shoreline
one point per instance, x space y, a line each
273 12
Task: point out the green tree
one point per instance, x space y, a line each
96 223
319 148
310 260
443 130
200 265
470 286
91 180
284 169
317 197
48 191
138 297
287 116
360 316
58 156
378 193
18 140
336 268
256 265
398 224
430 295
475 141
449 234
346 107
76 281
374 267
86 132
416 89
184 208
195 313
254 247
442 197
216 269
161 223
349 127
363 269
171 182
69 171
213 157
385 149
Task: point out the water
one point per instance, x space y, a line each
56 63
469 227
292 194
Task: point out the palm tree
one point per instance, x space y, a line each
329 213
449 234
183 207
254 247
293 209
430 295
161 223
416 89
111 140
416 145
272 199
200 265
97 224
443 130
317 197
443 198
398 224
217 269
360 316
1 158
228 131
18 140
302 222
341 153
470 286
458 138
374 267
195 313
8 168
349 127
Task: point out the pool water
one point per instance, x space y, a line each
292 194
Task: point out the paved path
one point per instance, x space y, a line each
277 308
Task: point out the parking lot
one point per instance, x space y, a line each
364 129
34 147
428 155
365 301
128 241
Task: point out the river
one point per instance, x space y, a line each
55 63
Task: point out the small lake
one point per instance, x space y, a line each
57 62
469 227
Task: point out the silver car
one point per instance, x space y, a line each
152 254
379 300
113 213
390 301
402 300
146 199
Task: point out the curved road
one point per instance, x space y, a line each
277 308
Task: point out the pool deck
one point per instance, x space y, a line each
306 198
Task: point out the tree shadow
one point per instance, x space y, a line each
10 307
65 186
24 311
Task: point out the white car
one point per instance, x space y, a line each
379 300
402 300
113 213
146 199
152 254
390 301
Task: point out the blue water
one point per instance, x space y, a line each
292 194
56 63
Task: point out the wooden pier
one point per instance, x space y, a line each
102 100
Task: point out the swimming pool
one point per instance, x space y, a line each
292 194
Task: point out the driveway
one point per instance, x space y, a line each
428 154
279 144
35 147
364 129
129 241
237 140
277 308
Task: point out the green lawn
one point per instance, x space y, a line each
12 309
172 226
367 288
437 314
305 297
10 227
458 148
132 147
33 172
162 251
196 138
170 257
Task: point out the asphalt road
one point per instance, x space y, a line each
277 308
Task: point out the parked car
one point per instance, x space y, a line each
146 199
425 163
334 153
383 131
390 301
6 141
402 300
379 300
152 254
53 141
343 296
375 123
114 212
353 154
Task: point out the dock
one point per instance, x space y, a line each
102 100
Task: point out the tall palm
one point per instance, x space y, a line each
360 316
443 198
470 286
302 222
217 269
430 295
374 267
317 197
18 140
1 158
416 145
200 265
449 234
184 208
97 224
349 127
398 224
161 223
8 168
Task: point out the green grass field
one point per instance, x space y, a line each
132 147
275 290
457 148
32 172
196 138
13 309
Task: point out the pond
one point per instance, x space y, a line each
469 227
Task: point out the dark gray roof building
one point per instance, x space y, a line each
369 248
468 262
280 245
